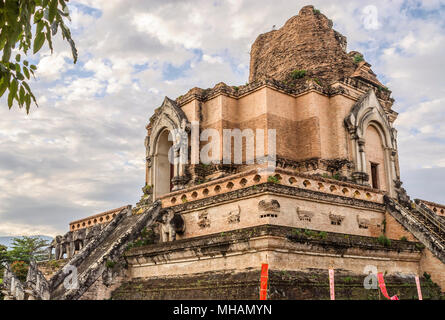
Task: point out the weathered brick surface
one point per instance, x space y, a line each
283 285
306 42
434 267
395 230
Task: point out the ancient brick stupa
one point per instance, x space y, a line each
333 201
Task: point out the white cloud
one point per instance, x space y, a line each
14 229
212 59
51 66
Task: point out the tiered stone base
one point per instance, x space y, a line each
179 270
283 285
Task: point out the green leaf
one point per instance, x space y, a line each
6 53
10 100
40 26
22 95
33 67
4 83
25 63
38 42
26 86
19 76
48 37
52 10
13 87
38 16
17 57
28 102
26 72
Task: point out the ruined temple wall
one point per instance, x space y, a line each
101 291
292 261
395 230
216 254
433 266
293 212
340 107
191 110
308 126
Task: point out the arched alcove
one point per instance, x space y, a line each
163 168
373 144
168 123
375 158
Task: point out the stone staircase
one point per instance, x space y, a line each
432 221
91 262
423 223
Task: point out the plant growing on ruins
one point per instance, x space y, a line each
317 81
147 189
298 74
316 11
336 176
384 241
110 264
309 233
146 238
25 26
385 89
358 58
273 179
403 239
322 235
348 280
419 246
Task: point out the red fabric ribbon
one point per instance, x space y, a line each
264 278
383 287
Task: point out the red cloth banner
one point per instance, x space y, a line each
383 287
264 278
419 291
331 283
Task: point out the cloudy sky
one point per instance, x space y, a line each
81 152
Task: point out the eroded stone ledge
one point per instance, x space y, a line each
284 182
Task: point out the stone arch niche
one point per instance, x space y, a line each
372 141
167 132
163 167
375 157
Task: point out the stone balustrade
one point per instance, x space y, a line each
438 209
283 177
91 221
